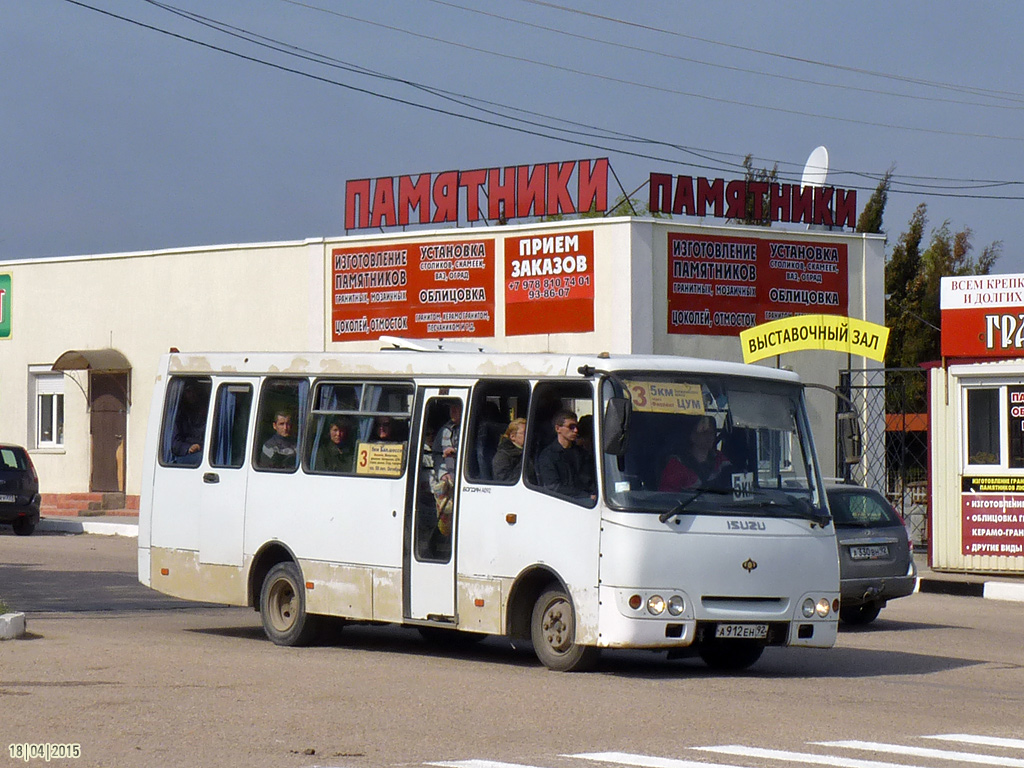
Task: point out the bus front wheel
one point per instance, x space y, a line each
283 607
553 631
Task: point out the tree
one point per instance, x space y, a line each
763 176
912 281
870 219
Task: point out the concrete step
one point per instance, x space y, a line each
88 504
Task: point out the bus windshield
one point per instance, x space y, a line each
705 444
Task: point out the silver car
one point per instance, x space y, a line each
876 556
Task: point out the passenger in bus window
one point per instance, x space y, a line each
564 467
338 454
508 459
445 447
585 439
190 424
383 430
701 465
279 450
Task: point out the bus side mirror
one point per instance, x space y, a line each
851 441
616 425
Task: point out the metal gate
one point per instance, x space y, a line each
892 403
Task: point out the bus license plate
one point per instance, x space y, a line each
746 631
8 498
869 553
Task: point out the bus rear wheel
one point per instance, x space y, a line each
553 631
730 655
283 607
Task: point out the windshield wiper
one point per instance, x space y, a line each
800 505
697 492
760 497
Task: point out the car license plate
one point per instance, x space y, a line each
869 553
7 498
746 631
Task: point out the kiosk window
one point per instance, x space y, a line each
983 426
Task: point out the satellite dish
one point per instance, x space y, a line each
815 169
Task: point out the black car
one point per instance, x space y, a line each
19 490
876 556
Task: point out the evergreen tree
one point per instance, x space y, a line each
870 219
912 285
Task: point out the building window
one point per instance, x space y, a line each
48 408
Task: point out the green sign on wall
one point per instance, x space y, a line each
5 306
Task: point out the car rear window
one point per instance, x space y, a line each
852 508
13 458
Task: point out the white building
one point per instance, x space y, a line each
80 335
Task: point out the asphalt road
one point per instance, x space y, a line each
139 679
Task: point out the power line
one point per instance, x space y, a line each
650 86
728 67
449 113
975 90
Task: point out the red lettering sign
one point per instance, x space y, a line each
992 524
719 286
549 283
417 290
513 192
827 206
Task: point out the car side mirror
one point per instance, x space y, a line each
616 425
851 441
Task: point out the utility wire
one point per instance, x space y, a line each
974 90
435 109
1017 105
652 87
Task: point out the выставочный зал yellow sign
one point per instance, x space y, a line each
835 332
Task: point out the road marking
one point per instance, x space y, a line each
651 761
646 761
799 757
937 754
984 741
479 764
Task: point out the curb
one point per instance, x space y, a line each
994 590
84 526
12 626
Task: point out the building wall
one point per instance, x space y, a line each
278 297
999 487
217 299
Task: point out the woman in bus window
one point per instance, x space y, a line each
338 454
701 465
509 457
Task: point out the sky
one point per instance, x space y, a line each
131 125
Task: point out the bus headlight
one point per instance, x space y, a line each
807 608
823 607
656 605
676 605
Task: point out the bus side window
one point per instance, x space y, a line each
183 436
279 424
230 425
548 469
350 423
495 404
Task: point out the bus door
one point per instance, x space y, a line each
430 560
222 506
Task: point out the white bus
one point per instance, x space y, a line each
650 502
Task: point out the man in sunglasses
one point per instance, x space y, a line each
564 467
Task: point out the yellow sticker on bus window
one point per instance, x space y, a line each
666 397
380 459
